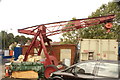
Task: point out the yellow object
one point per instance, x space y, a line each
25 74
30 58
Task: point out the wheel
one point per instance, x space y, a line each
49 69
57 78
81 71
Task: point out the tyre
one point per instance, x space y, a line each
49 69
81 71
57 78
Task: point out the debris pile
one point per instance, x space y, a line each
30 58
21 69
35 68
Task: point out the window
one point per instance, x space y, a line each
82 68
108 70
86 68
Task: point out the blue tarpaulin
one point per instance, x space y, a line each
17 52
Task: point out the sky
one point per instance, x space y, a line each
18 14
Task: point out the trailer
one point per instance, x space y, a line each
99 49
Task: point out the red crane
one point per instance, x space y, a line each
44 30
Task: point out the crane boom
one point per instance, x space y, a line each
60 27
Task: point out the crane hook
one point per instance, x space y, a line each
108 26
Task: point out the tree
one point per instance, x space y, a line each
99 32
17 38
8 38
4 39
0 40
96 32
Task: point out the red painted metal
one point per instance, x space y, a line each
49 69
45 49
44 30
108 25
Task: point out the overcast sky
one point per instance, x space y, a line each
18 14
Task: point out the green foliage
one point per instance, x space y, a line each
21 39
98 31
0 41
9 38
4 39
